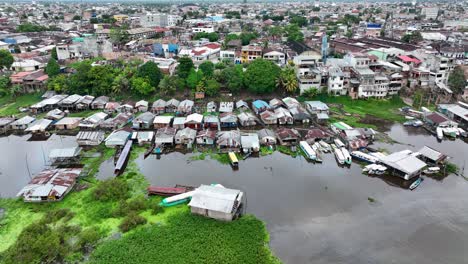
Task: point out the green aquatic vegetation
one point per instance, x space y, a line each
186 238
287 150
451 168
265 151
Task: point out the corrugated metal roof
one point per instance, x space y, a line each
214 198
65 153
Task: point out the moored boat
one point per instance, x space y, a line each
416 183
347 157
363 156
233 159
308 151
431 170
177 199
325 146
338 155
440 133
339 143
166 191
374 169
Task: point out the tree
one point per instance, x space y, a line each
233 78
6 59
212 37
247 37
53 54
288 80
184 67
310 93
151 71
260 76
58 83
29 27
208 68
212 87
298 20
53 68
15 89
118 35
457 80
293 32
4 84
194 78
276 32
142 86
168 85
414 37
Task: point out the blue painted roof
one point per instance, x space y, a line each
260 103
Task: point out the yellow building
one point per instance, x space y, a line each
250 53
121 18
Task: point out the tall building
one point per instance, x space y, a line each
430 12
159 20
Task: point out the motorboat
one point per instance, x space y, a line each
346 155
440 133
308 151
338 155
431 170
363 156
416 183
325 146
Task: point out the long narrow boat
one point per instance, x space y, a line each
308 151
177 199
165 191
347 157
363 156
416 183
325 146
120 165
440 133
338 143
317 148
233 159
338 154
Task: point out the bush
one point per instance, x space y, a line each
131 221
156 208
111 190
135 205
89 237
57 214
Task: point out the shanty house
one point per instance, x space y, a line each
275 103
68 123
436 119
288 136
259 106
93 121
172 105
291 102
284 116
185 136
226 107
194 121
228 140
242 106
268 117
165 136
316 134
141 106
228 120
179 122
267 137
403 164
206 137
22 123
211 122
65 156
315 107
112 107
39 127
159 107
185 107
117 139
143 121
431 156
84 103
5 124
250 142
145 137
162 121
100 102
55 114
47 104
118 121
247 119
128 107
216 202
69 103
89 138
211 107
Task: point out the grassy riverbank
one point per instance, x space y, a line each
115 213
10 105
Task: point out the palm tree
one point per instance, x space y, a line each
288 80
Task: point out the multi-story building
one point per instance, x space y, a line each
159 20
430 13
336 81
275 56
250 53
308 74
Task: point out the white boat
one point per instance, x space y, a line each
462 132
338 143
431 170
338 155
416 183
316 147
374 169
346 155
440 133
308 151
364 156
325 146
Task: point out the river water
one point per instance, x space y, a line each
315 213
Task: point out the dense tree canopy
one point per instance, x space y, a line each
142 86
184 67
150 71
260 76
208 68
294 33
52 68
194 78
212 37
29 27
457 80
6 59
233 78
298 20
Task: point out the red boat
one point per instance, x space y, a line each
166 191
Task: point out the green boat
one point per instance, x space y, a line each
165 204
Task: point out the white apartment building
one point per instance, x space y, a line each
159 20
430 12
307 73
336 81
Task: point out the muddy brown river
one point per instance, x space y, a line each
315 213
